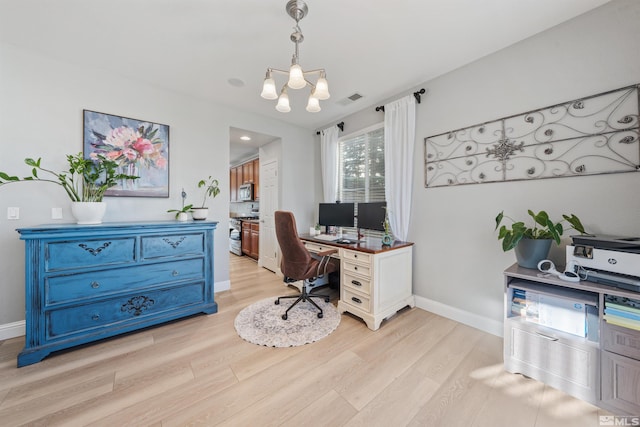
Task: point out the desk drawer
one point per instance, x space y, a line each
317 247
356 283
172 245
120 310
359 257
61 289
89 253
360 269
356 300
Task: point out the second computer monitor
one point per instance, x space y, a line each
336 214
371 215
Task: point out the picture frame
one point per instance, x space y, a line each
140 148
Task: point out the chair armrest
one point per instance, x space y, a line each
327 252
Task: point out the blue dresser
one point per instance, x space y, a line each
88 282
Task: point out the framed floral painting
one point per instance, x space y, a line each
139 147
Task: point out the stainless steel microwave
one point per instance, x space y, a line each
245 192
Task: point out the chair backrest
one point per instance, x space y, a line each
296 259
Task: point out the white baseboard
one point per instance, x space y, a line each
492 327
12 330
221 286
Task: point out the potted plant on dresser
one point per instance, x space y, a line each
531 244
85 182
211 189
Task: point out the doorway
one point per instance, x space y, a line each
245 146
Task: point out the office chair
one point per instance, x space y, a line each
297 263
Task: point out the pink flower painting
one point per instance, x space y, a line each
140 148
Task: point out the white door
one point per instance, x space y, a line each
268 205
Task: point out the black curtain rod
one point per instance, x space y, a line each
416 94
340 125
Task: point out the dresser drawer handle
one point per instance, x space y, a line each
95 285
356 300
355 267
174 273
95 317
355 282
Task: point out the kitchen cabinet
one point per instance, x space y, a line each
251 239
256 179
247 173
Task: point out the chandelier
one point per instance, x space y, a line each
297 9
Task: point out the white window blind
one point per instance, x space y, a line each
361 170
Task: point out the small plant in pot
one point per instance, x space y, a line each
532 243
85 182
211 189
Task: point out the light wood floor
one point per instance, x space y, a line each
418 369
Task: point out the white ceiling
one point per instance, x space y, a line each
372 47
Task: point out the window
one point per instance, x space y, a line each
361 169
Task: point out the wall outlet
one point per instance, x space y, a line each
13 213
56 213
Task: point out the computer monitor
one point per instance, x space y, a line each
371 215
337 214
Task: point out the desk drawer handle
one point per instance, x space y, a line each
95 317
355 282
355 267
95 285
174 273
356 300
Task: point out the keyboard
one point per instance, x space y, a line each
326 237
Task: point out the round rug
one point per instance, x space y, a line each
261 323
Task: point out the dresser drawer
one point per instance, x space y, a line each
359 257
116 311
73 287
89 253
624 341
172 245
621 382
360 269
357 283
356 300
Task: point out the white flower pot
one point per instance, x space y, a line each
199 213
182 216
88 212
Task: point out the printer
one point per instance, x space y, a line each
610 260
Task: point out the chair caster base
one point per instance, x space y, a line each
284 317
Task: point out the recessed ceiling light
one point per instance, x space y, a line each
235 82
245 138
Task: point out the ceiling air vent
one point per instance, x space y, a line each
350 99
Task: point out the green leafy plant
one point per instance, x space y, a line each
211 189
86 180
543 228
185 209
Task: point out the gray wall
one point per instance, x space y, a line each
41 103
458 261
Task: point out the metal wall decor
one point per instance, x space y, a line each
594 135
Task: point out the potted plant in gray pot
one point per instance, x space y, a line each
211 189
85 182
531 244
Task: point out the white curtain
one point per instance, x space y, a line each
329 163
399 141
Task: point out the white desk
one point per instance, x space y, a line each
375 280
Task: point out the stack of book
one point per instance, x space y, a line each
622 311
519 303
